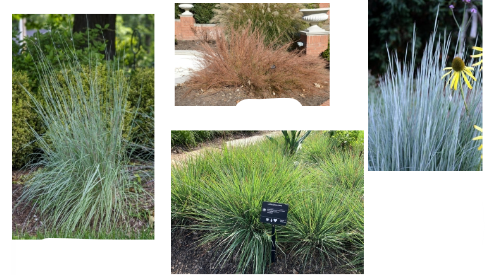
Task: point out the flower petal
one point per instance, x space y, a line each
477 138
466 70
466 80
478 128
446 74
456 77
477 48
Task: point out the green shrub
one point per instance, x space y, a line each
345 138
192 138
277 22
142 101
203 12
23 115
391 24
53 46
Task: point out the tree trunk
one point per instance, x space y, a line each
82 21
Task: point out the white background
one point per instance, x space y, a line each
415 222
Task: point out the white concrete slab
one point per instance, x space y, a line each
269 102
185 63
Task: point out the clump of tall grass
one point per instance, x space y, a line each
318 231
243 59
418 124
225 201
85 180
278 21
220 194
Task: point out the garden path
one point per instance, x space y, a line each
178 158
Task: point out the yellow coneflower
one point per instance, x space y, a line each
458 69
479 137
478 55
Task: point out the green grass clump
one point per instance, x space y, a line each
220 194
85 180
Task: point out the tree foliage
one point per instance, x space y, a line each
391 23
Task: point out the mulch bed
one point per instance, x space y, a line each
230 96
26 219
189 258
191 45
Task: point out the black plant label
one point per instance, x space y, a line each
274 213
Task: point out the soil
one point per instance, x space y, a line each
230 96
190 258
26 219
193 45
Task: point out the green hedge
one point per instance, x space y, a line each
203 12
140 99
22 117
391 24
192 138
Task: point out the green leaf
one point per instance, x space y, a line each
98 26
106 26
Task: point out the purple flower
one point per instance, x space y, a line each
473 11
452 7
468 1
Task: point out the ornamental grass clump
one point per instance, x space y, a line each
219 195
85 178
242 59
278 21
417 122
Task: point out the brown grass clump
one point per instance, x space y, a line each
242 59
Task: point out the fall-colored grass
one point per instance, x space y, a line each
241 58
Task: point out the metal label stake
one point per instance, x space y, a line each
275 214
273 249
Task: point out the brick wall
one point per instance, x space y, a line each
186 29
314 44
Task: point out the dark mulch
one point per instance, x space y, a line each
230 96
189 258
24 217
194 45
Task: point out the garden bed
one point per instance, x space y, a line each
192 45
27 223
230 96
188 258
216 199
